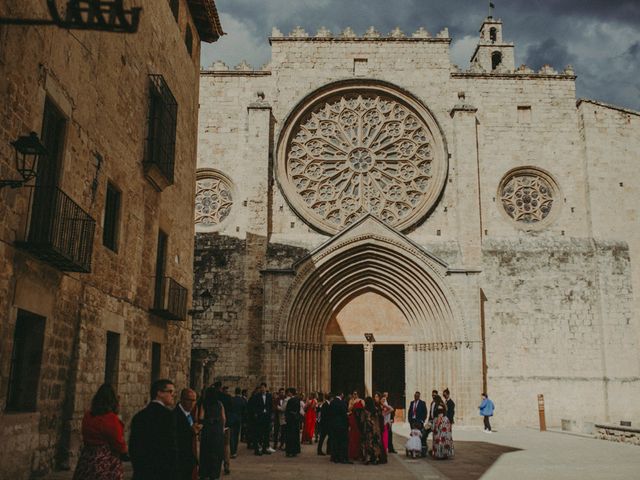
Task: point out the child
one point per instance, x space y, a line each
414 445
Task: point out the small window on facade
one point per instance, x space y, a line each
360 66
26 359
496 60
175 8
112 359
163 115
188 40
156 360
524 114
111 218
493 34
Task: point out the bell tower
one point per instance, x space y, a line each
493 54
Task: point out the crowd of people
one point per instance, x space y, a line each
198 437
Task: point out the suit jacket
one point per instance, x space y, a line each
421 411
325 416
338 415
451 410
261 409
152 443
238 407
184 442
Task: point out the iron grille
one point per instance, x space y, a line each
171 300
60 232
161 142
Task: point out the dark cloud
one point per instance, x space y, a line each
600 38
549 52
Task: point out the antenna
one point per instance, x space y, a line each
491 8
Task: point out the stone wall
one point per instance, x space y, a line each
100 83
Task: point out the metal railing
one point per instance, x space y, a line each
170 300
59 231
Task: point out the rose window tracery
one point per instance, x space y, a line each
361 152
528 195
213 200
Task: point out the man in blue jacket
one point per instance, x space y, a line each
486 410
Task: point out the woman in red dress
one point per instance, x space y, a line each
103 439
309 419
355 445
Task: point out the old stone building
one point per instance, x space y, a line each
96 252
370 216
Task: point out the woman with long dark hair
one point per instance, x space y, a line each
103 439
212 417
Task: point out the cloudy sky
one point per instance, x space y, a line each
600 38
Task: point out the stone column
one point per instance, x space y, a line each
468 208
325 380
368 369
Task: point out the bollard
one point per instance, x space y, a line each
543 423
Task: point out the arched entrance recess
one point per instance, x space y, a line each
369 257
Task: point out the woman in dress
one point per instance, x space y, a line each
292 416
309 419
103 439
387 412
212 417
442 446
380 413
355 427
371 439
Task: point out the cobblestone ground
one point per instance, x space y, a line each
518 453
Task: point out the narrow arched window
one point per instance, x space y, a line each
496 60
493 34
188 40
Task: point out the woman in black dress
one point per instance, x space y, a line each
292 416
212 417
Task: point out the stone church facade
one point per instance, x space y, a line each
370 216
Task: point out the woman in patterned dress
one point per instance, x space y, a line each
442 447
103 439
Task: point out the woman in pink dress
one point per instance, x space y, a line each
355 440
309 419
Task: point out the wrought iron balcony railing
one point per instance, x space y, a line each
59 231
170 300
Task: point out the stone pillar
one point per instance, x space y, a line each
468 208
368 369
325 381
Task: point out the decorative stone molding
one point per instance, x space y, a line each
214 199
243 66
298 32
219 65
396 33
529 197
361 148
371 33
349 35
421 33
323 33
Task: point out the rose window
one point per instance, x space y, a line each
528 195
359 152
213 200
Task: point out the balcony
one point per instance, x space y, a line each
170 300
59 231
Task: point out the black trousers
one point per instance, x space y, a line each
262 430
235 438
391 449
340 444
487 424
322 436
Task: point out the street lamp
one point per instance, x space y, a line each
27 150
369 337
206 300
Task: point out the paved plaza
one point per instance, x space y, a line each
520 453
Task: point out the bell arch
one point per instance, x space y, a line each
370 257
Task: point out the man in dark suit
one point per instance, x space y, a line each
451 406
186 430
417 410
238 407
325 418
339 430
261 408
152 443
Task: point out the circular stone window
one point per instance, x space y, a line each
213 198
361 149
528 195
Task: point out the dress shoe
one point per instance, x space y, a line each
266 452
259 453
322 454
